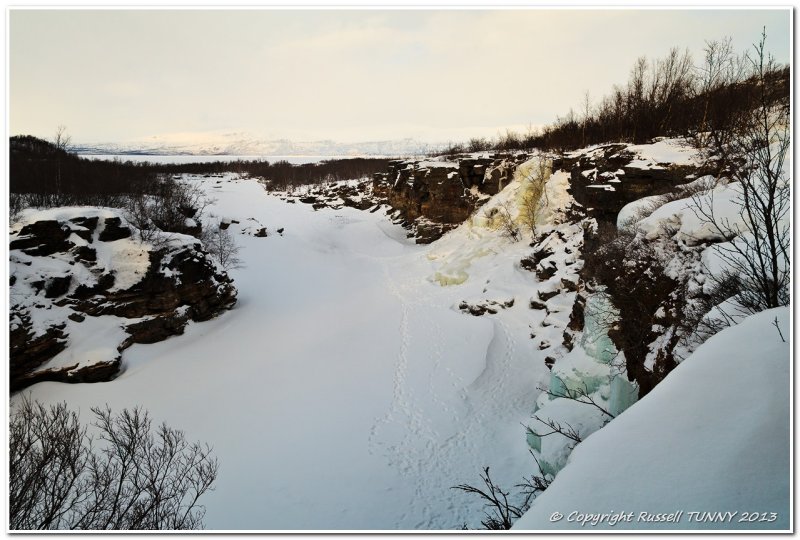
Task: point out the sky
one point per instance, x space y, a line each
346 75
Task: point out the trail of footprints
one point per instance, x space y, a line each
429 459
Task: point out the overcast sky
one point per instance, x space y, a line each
121 76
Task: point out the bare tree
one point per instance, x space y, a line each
502 512
219 242
16 203
503 219
721 72
479 144
61 140
586 105
758 250
133 480
635 93
536 484
139 211
677 79
166 205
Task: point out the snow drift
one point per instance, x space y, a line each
712 437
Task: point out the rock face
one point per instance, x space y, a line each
83 274
427 197
432 197
486 306
185 277
433 192
29 351
602 180
609 177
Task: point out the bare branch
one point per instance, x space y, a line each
133 480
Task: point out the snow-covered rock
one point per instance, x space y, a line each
605 178
85 285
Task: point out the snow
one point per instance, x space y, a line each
480 241
653 155
587 369
682 217
637 208
595 150
604 187
672 151
477 249
437 164
344 391
557 196
644 164
712 437
125 258
92 341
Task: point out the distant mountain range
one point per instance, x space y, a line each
250 146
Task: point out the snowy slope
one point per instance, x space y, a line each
712 437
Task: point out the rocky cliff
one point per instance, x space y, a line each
84 277
428 197
648 297
431 197
607 177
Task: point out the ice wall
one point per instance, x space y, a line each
592 371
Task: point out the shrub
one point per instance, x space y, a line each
133 479
219 242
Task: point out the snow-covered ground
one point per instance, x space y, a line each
345 390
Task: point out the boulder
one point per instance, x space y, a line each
42 238
545 296
155 329
29 351
85 227
97 372
535 304
85 253
57 286
428 197
114 230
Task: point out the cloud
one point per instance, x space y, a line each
342 74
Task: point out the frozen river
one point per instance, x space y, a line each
343 391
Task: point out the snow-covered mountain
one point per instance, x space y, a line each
243 144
